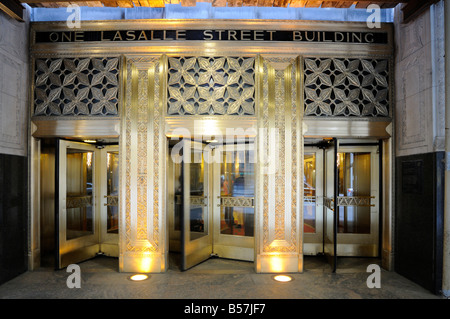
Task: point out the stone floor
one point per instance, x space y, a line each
214 279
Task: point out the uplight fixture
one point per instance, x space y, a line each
138 277
282 278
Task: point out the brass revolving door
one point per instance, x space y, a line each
86 202
211 202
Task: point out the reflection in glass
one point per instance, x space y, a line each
237 179
178 185
354 180
309 192
112 177
198 211
79 187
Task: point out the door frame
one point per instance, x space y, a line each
313 242
69 251
368 244
219 244
373 241
231 246
109 242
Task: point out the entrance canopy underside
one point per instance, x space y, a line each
411 8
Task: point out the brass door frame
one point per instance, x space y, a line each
366 245
313 242
109 242
196 250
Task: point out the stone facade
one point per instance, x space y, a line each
13 86
420 82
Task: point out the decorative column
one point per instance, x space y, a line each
280 166
142 149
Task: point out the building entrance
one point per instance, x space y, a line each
341 199
211 201
80 215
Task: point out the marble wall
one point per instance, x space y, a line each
420 142
13 147
420 82
13 86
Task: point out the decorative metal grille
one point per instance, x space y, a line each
360 201
211 86
76 87
236 201
346 87
78 201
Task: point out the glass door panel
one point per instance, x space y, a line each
109 205
234 217
196 238
175 203
358 221
77 235
313 201
79 184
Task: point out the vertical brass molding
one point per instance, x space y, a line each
289 201
270 177
258 166
151 192
132 146
163 159
300 153
123 176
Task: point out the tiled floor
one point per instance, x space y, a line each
215 279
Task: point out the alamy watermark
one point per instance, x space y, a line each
374 19
374 279
191 148
74 19
74 280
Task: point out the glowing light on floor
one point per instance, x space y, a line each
138 277
282 278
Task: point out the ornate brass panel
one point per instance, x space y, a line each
280 191
142 151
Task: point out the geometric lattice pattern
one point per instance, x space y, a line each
346 87
211 86
76 87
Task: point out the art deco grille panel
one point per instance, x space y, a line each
346 87
211 86
76 87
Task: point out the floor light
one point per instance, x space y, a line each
138 277
282 278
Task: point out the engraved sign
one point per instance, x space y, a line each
315 36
